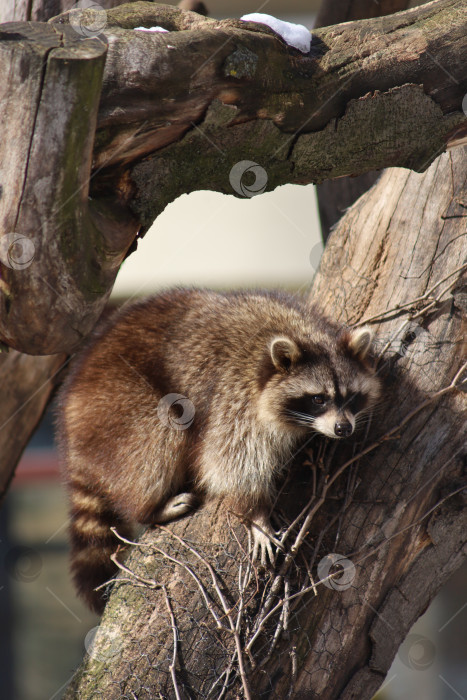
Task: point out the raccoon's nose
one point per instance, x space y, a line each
343 429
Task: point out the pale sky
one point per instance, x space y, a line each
211 239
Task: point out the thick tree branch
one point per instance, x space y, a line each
369 95
335 196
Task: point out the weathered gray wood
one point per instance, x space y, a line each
399 517
58 261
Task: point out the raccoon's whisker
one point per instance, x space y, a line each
302 416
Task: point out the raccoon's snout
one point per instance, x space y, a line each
343 429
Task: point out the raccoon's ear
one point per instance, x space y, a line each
284 352
359 341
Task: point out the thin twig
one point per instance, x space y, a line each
307 589
410 304
187 568
294 671
147 582
175 636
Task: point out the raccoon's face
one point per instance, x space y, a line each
324 387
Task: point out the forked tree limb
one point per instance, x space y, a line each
393 504
172 113
367 96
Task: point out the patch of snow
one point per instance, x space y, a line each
150 29
295 35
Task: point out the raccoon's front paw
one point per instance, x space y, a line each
263 542
262 547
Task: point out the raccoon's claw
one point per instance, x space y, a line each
262 548
263 541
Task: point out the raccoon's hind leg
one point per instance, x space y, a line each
174 508
93 542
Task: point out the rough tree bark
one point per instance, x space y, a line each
396 512
335 196
53 90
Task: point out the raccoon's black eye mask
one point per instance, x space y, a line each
313 405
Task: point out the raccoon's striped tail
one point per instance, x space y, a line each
92 543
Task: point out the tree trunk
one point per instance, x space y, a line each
391 504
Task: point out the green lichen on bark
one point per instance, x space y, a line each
204 158
241 63
393 121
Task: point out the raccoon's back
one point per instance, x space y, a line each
185 340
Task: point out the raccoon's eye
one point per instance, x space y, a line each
318 399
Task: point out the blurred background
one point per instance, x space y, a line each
205 239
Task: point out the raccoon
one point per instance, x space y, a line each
191 395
